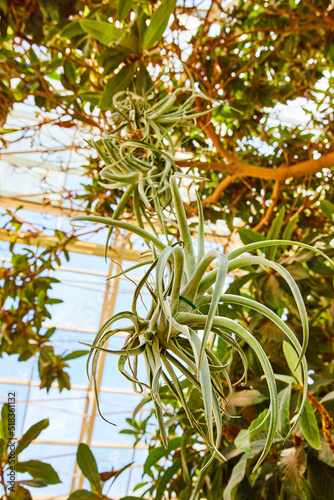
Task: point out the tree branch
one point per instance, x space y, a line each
242 169
239 168
274 200
214 197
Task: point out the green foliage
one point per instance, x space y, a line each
31 434
25 301
39 470
158 23
42 473
309 426
167 338
88 466
283 472
249 71
186 296
256 56
283 462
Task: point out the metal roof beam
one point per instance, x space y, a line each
84 247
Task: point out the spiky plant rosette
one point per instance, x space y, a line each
139 154
174 337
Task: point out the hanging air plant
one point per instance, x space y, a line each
174 337
139 155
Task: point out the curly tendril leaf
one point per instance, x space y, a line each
139 154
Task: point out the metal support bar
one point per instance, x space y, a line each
91 403
95 444
35 383
35 206
84 247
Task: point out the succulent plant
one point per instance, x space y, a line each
180 330
139 155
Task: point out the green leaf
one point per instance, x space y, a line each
309 425
88 466
259 424
75 354
31 434
39 470
268 329
283 422
69 69
83 495
298 272
110 64
325 454
33 58
218 290
2 448
123 8
128 44
247 397
222 350
242 441
292 360
245 261
205 381
328 397
274 233
55 301
321 478
290 227
232 299
238 473
20 493
327 209
158 23
41 298
33 483
263 244
184 227
119 82
272 292
166 477
4 422
157 453
72 29
133 498
287 379
104 32
197 321
143 82
249 236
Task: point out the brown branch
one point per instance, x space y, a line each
211 16
274 200
214 197
326 421
210 132
242 169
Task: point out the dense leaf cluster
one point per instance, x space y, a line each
26 281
